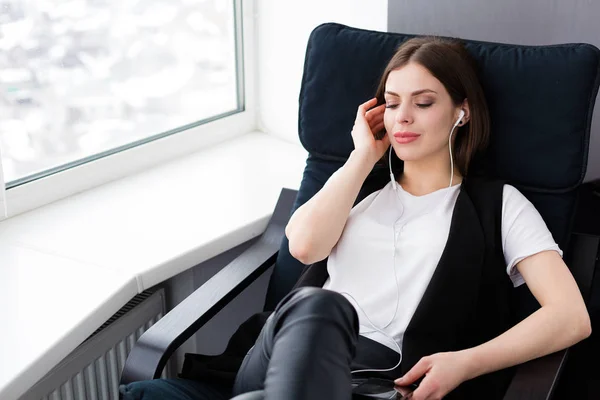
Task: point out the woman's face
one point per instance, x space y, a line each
419 113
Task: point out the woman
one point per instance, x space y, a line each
433 112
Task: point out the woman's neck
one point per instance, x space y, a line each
420 178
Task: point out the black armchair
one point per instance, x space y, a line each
536 379
541 100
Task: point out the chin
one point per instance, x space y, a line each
407 154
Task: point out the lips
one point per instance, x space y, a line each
406 137
405 134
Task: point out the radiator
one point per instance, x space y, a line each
92 371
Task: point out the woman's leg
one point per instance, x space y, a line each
304 350
177 388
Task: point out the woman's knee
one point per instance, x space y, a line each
319 301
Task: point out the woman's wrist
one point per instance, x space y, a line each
363 157
470 362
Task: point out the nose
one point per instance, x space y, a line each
403 115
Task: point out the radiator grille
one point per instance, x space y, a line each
93 370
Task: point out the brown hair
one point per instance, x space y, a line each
449 61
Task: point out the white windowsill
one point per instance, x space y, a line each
68 266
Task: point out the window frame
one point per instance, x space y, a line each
57 185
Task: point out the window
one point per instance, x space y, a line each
83 79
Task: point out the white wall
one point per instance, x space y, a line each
283 28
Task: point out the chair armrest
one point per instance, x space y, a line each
537 379
151 352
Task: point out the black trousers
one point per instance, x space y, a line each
308 348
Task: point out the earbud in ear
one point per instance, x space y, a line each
460 117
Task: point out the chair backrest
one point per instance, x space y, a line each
540 99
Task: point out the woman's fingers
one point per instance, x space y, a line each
376 112
378 127
375 119
372 116
365 107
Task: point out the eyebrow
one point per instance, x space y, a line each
415 93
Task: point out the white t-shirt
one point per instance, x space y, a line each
361 266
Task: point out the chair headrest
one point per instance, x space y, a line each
540 99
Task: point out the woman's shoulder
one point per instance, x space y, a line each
499 196
511 196
368 199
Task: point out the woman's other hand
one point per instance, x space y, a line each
368 122
442 372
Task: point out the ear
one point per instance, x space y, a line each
465 107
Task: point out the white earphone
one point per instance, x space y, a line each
460 117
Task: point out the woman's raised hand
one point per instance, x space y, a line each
368 122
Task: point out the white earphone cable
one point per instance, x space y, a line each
394 183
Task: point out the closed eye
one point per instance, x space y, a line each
420 105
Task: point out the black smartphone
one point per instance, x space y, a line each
376 388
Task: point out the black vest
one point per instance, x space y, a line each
467 301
